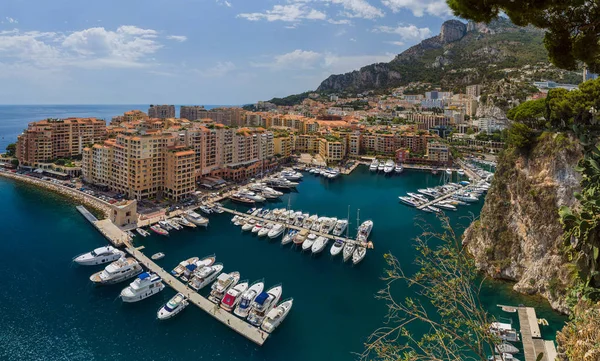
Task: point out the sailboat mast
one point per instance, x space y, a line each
357 221
348 225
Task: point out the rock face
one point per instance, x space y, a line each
518 236
452 30
373 76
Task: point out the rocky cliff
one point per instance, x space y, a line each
518 236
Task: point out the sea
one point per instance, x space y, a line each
49 310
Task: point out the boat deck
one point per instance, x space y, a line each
326 235
240 326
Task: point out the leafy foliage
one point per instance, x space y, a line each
520 136
290 100
11 149
530 113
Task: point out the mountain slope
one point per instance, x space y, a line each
461 54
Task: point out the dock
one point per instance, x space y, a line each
533 344
445 196
240 326
114 234
291 226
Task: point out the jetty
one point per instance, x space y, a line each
240 326
533 344
109 230
291 226
438 199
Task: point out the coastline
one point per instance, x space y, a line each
96 206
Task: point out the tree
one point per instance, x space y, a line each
449 307
572 27
520 135
15 162
11 149
531 113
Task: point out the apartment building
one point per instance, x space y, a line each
161 111
52 139
332 149
128 117
193 112
437 152
180 179
426 121
227 116
283 145
306 143
473 91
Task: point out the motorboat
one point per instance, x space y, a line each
217 208
340 227
308 222
389 166
224 282
359 254
300 237
196 219
310 240
205 276
118 271
299 222
434 209
247 298
184 222
348 251
233 296
429 192
409 200
399 168
465 197
291 175
281 183
241 221
289 236
144 286
173 307
506 347
381 166
265 229
99 256
251 195
276 231
461 172
317 224
180 268
374 165
142 232
319 244
263 303
249 225
206 209
504 331
157 256
328 224
237 198
174 224
449 171
158 230
365 230
503 357
276 316
165 225
446 206
418 196
189 270
257 227
337 247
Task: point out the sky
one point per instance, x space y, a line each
196 51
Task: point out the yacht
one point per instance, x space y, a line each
276 231
409 200
257 227
173 307
276 316
319 245
144 286
317 224
233 296
429 192
174 224
165 225
291 175
196 219
249 225
197 265
205 275
359 254
465 197
271 194
184 222
449 171
418 196
263 303
365 230
434 209
340 227
374 165
399 168
337 247
506 347
178 271
289 237
381 166
157 256
445 205
308 222
238 198
265 229
281 183
142 232
251 195
300 237
217 208
224 282
205 209
99 256
504 331
389 166
158 230
118 271
348 251
299 222
461 172
310 240
504 357
245 302
328 225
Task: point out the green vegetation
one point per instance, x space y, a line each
11 150
290 100
496 136
530 113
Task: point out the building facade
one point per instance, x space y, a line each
161 111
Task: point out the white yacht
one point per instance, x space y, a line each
374 165
184 222
144 286
446 205
381 166
409 200
196 219
319 245
180 268
504 357
504 331
197 265
251 195
142 232
99 256
224 282
118 271
337 247
205 209
348 251
173 307
364 230
399 168
249 225
265 229
328 224
165 225
340 227
276 316
233 296
257 227
317 225
389 166
263 303
276 231
310 240
418 196
205 275
289 237
291 175
245 303
359 254
308 222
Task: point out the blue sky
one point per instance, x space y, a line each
196 51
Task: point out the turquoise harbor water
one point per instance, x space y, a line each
49 309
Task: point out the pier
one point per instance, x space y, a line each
445 196
533 344
291 226
114 234
240 326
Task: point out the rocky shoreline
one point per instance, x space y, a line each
97 206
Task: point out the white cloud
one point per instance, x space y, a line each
179 38
358 9
398 43
407 33
297 59
11 20
420 7
288 13
219 70
224 3
339 22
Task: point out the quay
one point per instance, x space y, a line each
109 230
329 236
240 326
533 344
